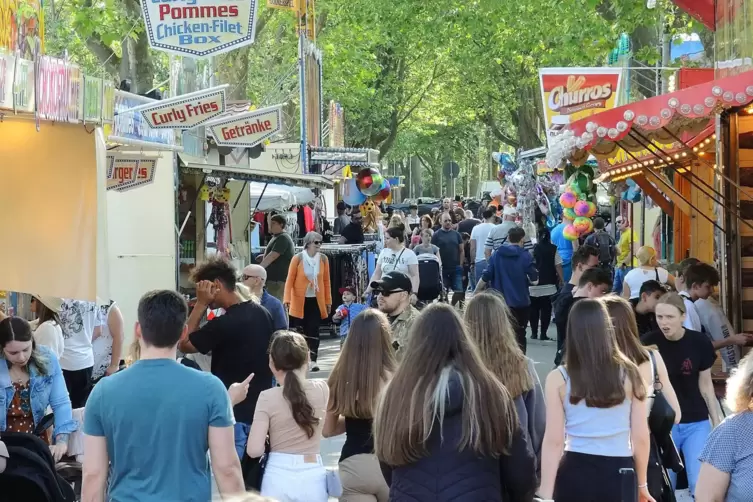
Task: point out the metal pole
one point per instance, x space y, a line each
302 89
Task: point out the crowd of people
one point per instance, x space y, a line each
435 404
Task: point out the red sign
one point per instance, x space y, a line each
247 129
125 173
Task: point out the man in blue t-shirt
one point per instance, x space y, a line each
150 426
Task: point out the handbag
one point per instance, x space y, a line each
253 469
334 486
661 419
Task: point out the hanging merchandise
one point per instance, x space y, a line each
369 181
570 233
371 216
568 199
385 191
581 208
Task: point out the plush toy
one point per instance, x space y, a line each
569 214
371 216
592 208
582 224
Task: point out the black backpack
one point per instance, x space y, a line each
605 244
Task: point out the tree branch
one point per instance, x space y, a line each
488 119
422 96
104 53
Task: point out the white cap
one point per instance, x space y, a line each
509 211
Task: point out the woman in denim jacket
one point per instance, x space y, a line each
30 381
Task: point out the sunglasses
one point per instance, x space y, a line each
317 243
247 277
388 293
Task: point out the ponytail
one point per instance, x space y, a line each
303 412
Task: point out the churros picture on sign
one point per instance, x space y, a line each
247 129
570 94
199 28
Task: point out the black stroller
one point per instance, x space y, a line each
430 276
30 474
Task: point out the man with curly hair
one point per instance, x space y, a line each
238 339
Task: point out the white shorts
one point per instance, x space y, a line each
288 478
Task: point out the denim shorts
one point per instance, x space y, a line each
452 278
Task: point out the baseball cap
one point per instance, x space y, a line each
510 211
349 289
393 282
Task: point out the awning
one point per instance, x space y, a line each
702 10
280 197
241 174
678 116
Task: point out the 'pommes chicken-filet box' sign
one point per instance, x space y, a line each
186 111
125 173
199 28
247 129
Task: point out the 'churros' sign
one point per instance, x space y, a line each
569 94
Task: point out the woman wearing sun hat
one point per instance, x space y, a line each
48 331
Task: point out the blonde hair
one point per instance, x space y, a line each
646 255
739 395
134 352
487 319
244 294
675 300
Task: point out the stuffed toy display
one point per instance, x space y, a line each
371 216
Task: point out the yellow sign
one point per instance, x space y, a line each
570 94
310 20
283 4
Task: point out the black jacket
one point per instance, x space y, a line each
449 475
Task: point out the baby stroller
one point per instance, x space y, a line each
430 276
30 474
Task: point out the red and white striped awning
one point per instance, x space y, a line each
663 119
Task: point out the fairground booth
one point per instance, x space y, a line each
686 152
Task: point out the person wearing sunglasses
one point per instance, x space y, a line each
254 277
308 294
394 293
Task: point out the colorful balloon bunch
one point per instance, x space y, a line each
368 183
578 209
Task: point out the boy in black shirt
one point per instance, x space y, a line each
645 304
594 283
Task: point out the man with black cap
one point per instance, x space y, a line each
394 290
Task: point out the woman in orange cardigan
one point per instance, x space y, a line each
308 296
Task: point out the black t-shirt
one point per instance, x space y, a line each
686 358
563 306
466 226
646 322
448 242
238 341
353 233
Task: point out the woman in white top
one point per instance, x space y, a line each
596 414
648 270
109 343
396 257
48 331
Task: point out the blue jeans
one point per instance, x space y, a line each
241 437
690 439
452 278
478 271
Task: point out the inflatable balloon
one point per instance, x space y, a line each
582 224
384 192
570 233
369 181
351 195
581 208
569 214
592 208
568 199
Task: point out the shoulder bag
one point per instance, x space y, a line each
661 419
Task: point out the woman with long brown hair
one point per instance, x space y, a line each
488 321
292 415
446 414
596 412
366 363
652 368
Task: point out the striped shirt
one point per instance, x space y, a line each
498 236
